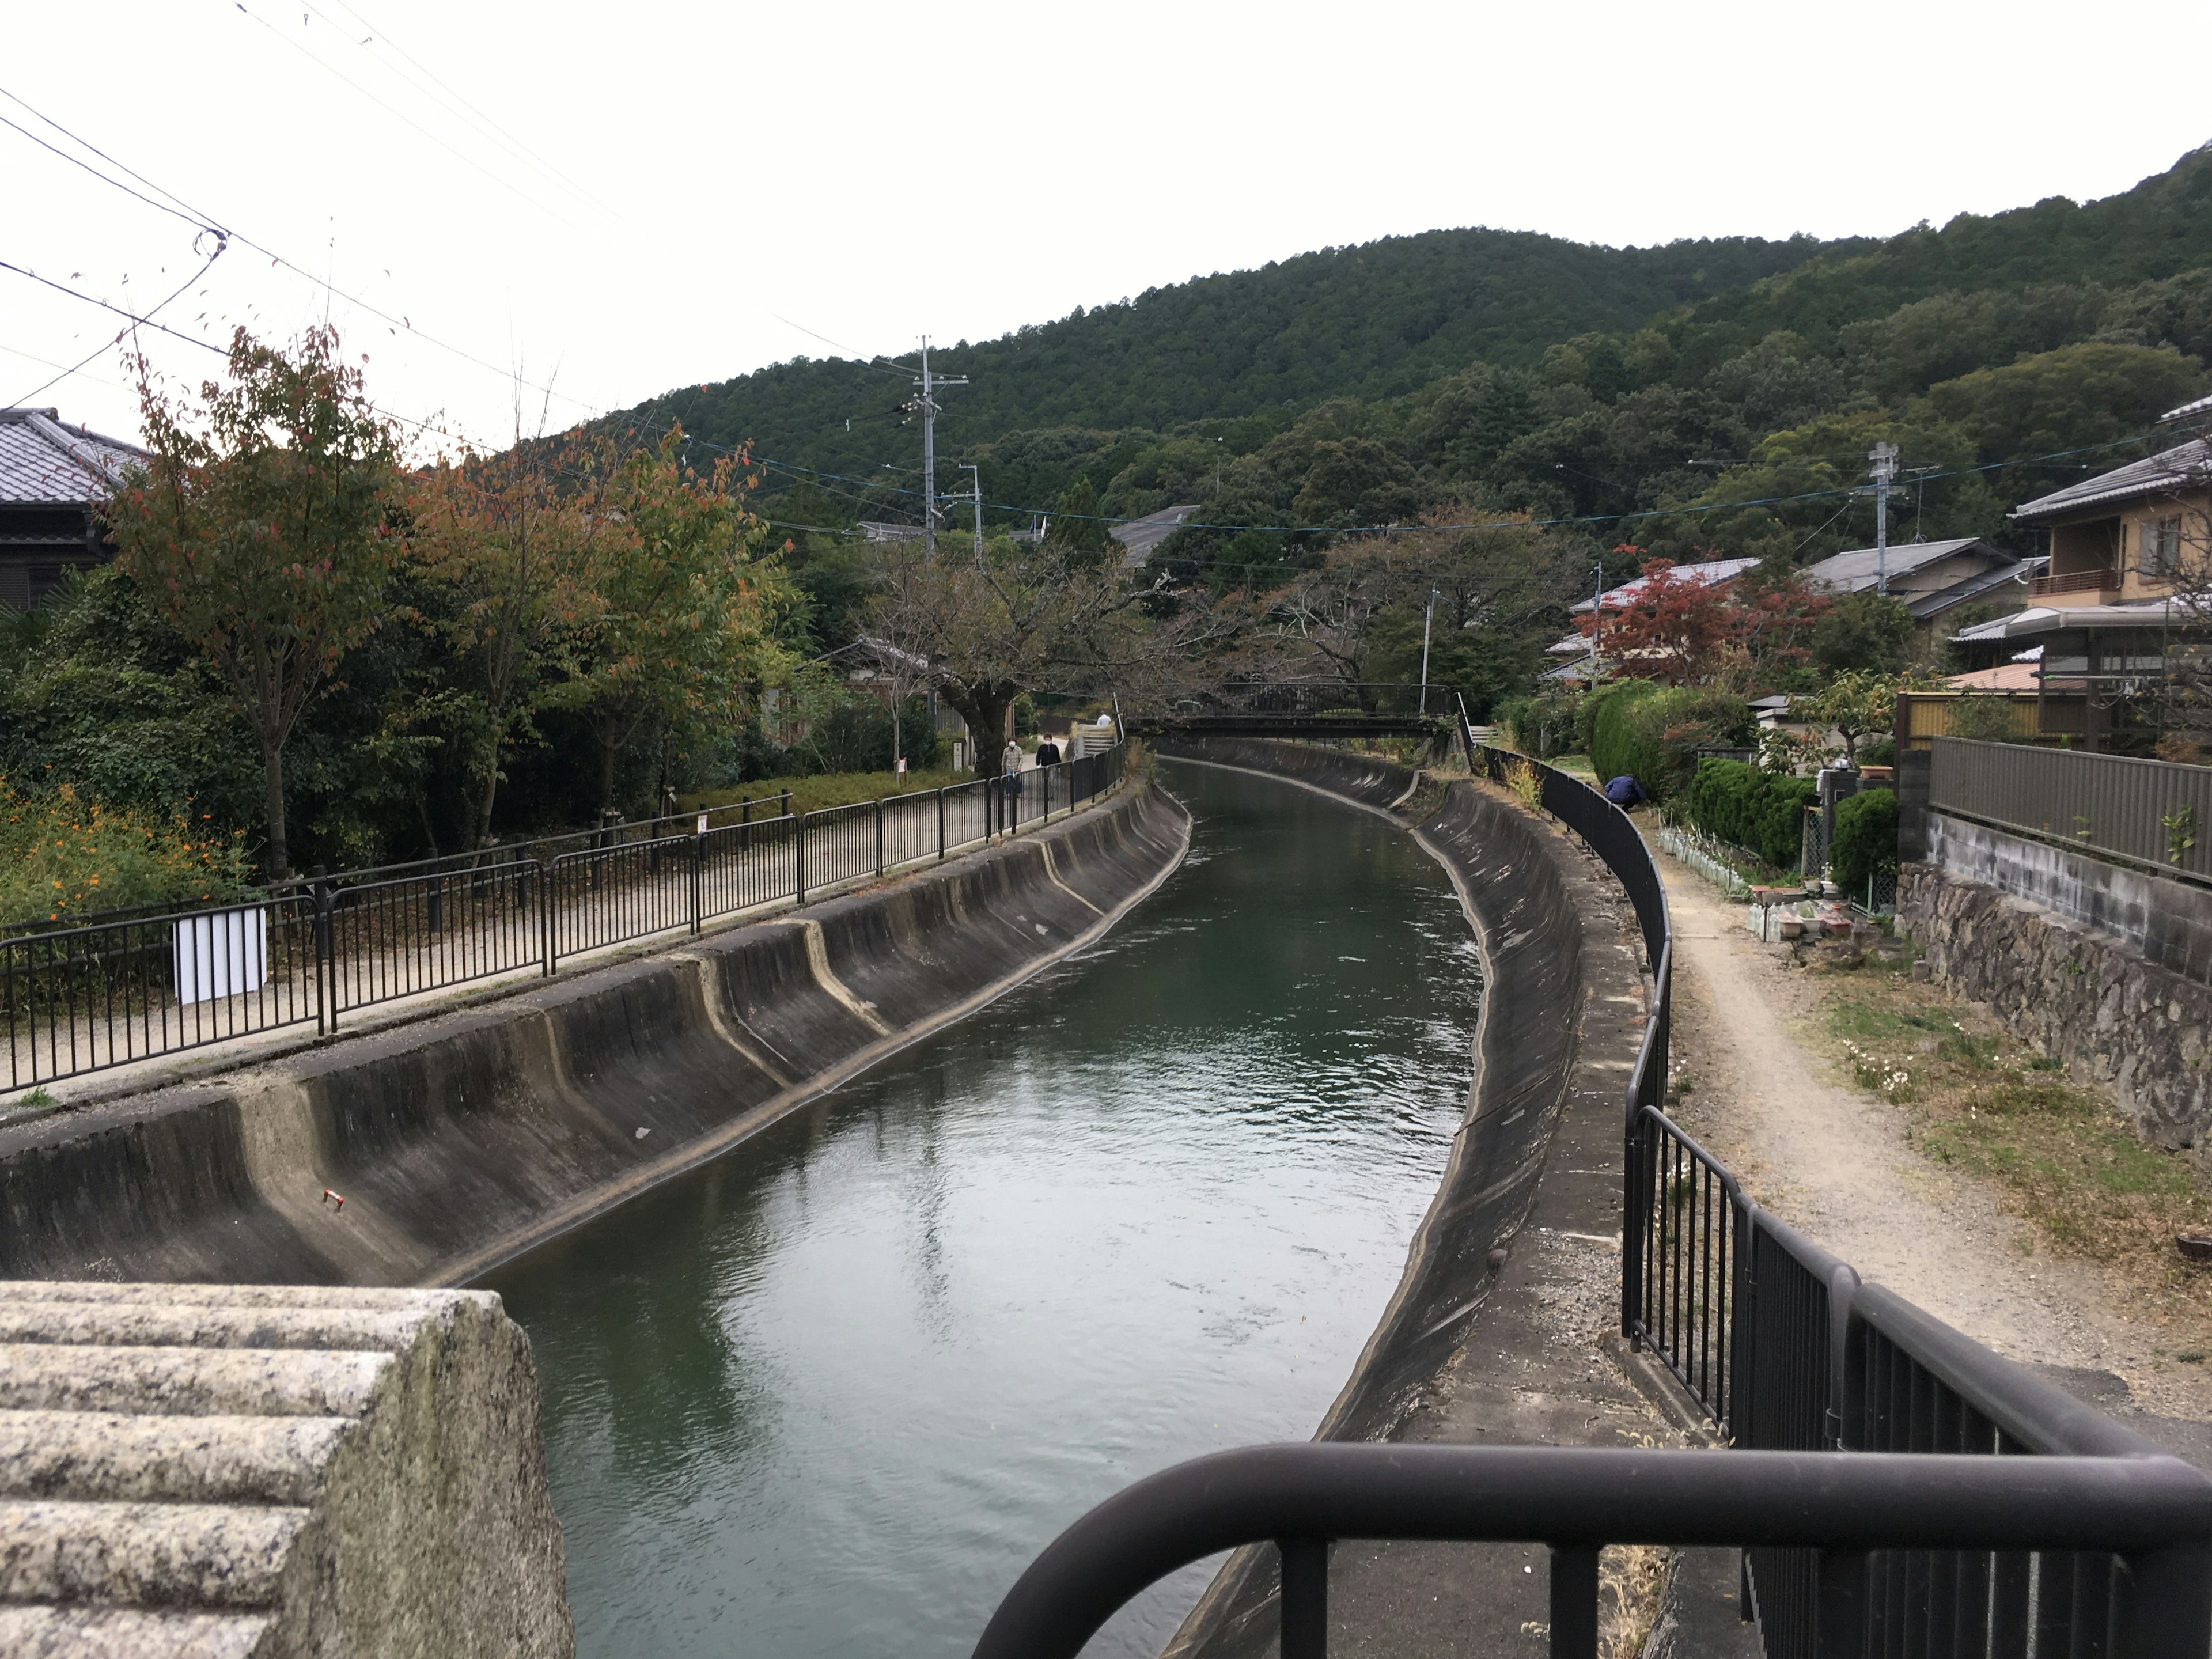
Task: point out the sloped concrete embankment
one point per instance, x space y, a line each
460 1139
1529 919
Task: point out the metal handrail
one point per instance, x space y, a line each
2156 1513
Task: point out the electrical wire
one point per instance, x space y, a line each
220 245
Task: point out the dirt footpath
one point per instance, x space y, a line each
1836 1164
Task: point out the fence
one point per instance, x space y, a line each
2150 813
143 983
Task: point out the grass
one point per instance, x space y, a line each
2059 1156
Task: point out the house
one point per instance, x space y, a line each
1713 573
1931 579
52 477
2106 612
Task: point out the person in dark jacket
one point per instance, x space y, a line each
1048 753
1625 792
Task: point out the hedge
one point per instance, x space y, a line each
1652 732
1866 838
1746 807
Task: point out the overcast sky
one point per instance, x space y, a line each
618 200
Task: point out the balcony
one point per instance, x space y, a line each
2105 579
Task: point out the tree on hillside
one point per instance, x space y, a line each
1077 526
261 522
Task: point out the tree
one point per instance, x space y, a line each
1868 630
262 522
682 614
1668 628
1076 525
512 545
1853 704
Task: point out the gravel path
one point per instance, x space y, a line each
1836 1164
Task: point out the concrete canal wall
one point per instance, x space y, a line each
1530 930
458 1140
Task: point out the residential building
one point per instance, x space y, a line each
52 477
1933 581
1712 573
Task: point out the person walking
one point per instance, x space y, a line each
1048 753
1011 763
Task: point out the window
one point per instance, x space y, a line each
2161 547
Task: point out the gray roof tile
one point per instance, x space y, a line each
44 459
2187 466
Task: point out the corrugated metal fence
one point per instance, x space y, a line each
2146 812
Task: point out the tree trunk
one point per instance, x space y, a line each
985 708
607 750
272 773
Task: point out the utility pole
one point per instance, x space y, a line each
975 494
1428 615
1884 457
1597 612
927 405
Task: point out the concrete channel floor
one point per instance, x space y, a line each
1543 1365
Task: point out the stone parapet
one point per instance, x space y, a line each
237 1472
2089 999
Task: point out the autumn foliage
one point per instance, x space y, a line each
1684 631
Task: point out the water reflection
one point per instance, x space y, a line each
828 1394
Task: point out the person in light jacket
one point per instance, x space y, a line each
1011 764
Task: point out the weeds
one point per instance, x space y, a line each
2060 1156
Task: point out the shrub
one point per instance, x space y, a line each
62 856
1752 808
1984 717
1866 838
1653 734
1542 725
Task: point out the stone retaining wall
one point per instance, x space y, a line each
2086 998
460 1139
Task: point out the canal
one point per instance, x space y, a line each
828 1394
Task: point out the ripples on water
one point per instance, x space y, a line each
829 1394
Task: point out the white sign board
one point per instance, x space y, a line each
221 954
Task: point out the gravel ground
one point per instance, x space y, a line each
1836 1164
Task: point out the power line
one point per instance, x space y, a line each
74 294
459 155
220 245
397 322
515 145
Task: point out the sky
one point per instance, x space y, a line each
526 215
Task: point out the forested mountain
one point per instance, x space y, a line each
1637 394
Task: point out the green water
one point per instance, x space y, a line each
829 1394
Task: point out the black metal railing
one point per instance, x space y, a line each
1860 1522
140 984
1973 1510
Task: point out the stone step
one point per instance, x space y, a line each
104 1456
188 1382
34 1631
203 1555
162 1325
375 1298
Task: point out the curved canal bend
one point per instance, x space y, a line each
828 1394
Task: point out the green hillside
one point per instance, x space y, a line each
1481 373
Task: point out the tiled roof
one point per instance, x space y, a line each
1925 605
2187 466
44 459
1850 573
1705 574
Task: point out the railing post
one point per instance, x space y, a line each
698 868
326 971
786 806
879 838
940 826
1305 1597
799 859
2165 1603
1840 1621
1574 1602
548 883
1634 1194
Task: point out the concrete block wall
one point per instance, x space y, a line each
2168 923
234 1471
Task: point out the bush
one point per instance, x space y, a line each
1542 725
1866 838
1653 733
62 856
1756 809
